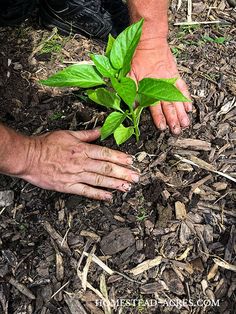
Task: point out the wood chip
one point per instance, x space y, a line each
22 288
92 235
74 304
213 271
180 211
116 241
61 243
146 265
173 282
153 287
141 156
59 267
190 143
220 186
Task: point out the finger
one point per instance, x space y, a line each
99 180
86 136
171 117
158 117
87 191
182 86
107 154
111 170
182 115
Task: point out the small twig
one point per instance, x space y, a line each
2 210
189 16
59 290
209 168
199 23
179 4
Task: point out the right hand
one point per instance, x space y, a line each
64 161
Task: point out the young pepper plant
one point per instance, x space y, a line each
116 90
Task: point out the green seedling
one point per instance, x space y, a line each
217 40
176 51
56 116
142 216
53 44
115 89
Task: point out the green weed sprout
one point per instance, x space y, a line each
117 91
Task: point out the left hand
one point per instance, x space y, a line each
156 61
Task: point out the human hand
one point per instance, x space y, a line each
64 161
154 59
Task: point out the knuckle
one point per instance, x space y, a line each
98 180
105 152
84 191
107 169
79 148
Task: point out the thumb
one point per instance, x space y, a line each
87 136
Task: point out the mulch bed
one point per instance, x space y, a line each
170 242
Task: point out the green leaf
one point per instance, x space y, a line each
160 90
112 122
104 98
169 80
110 43
126 89
103 65
124 47
145 101
122 134
78 75
220 40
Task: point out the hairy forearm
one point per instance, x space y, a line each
155 14
14 151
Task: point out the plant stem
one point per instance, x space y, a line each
136 132
136 129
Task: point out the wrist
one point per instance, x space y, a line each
16 153
155 15
154 43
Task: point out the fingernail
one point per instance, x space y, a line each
127 186
162 126
189 108
135 178
176 130
185 122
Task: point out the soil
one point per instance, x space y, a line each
181 215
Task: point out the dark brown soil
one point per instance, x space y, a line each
179 212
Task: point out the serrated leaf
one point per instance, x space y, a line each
110 43
82 75
112 123
126 89
122 134
104 98
160 90
103 65
124 47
